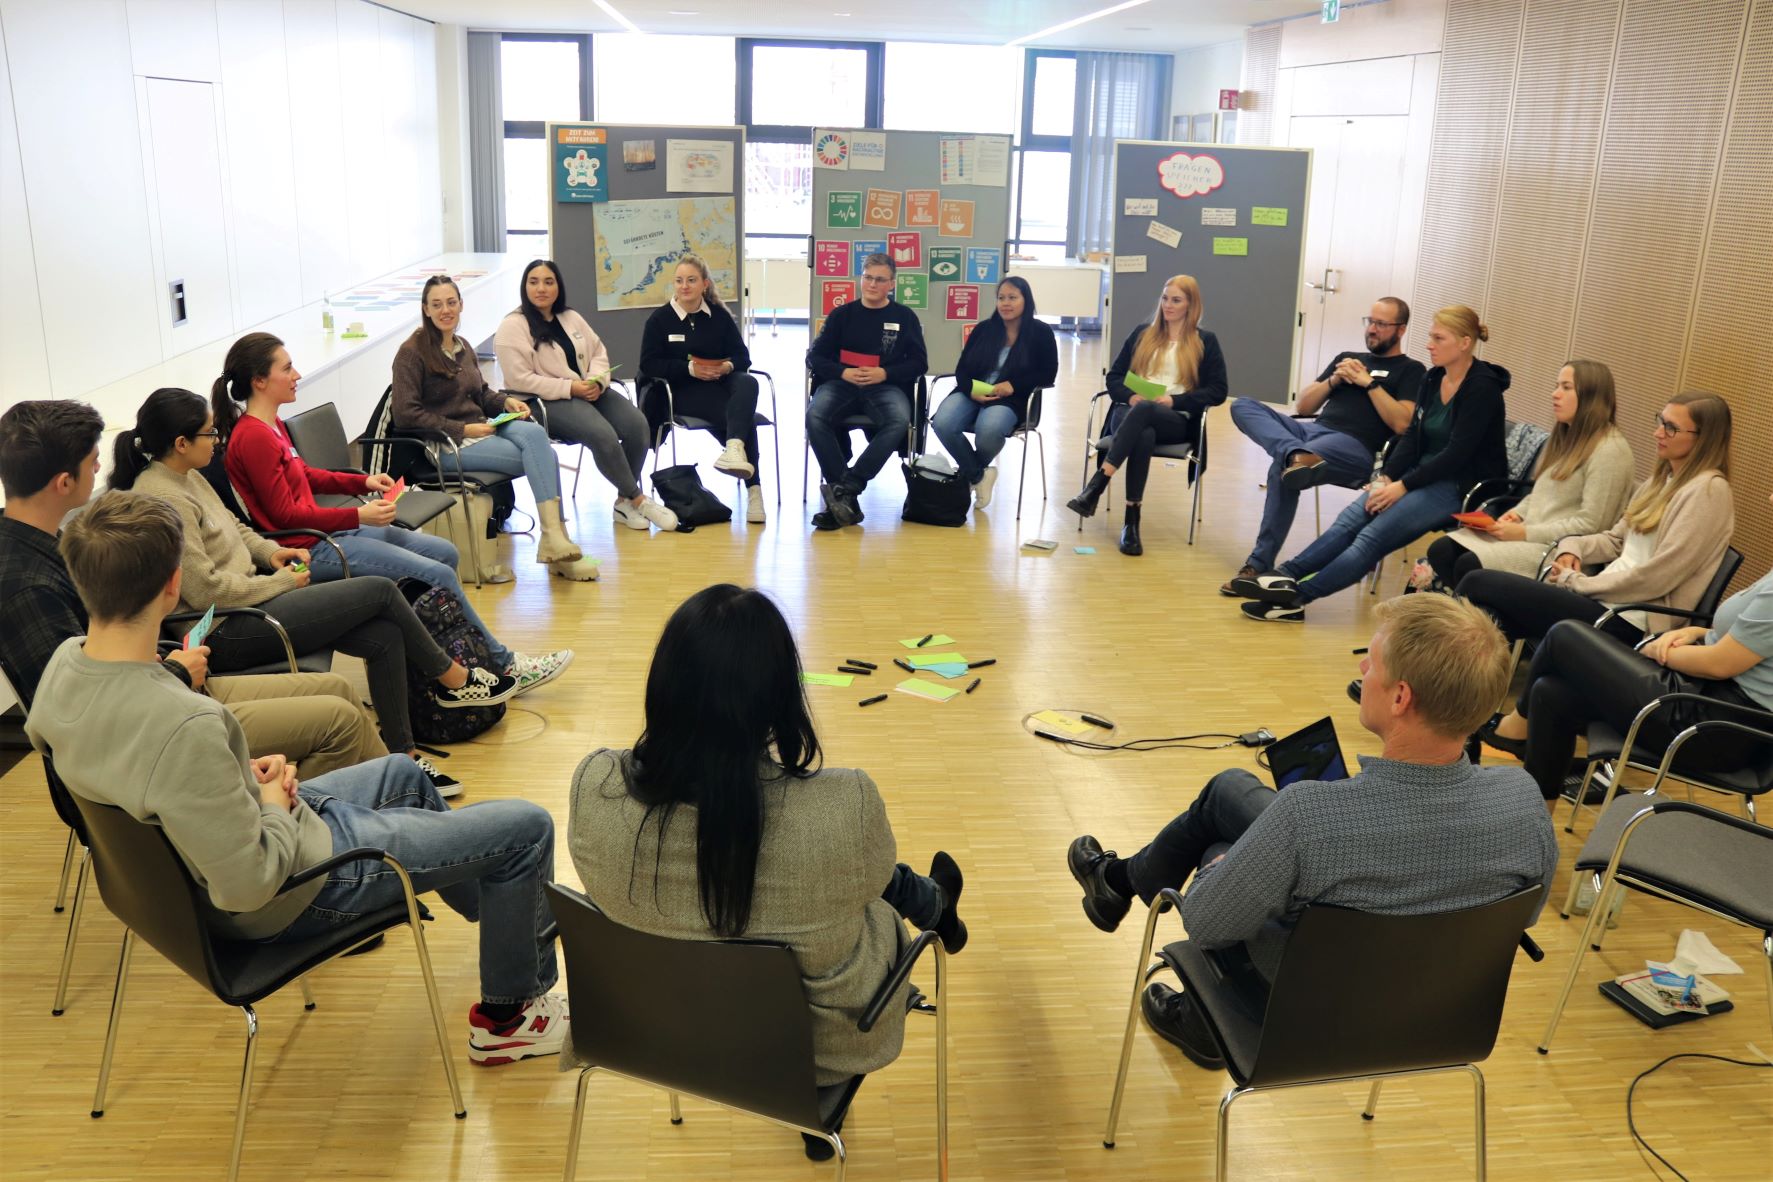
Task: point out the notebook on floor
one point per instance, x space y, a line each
1309 753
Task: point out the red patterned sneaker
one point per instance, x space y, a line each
539 1029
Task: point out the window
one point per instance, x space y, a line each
653 79
542 78
1052 93
811 85
1042 202
933 87
778 188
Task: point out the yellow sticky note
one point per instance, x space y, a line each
837 679
918 688
1239 246
1268 215
1053 720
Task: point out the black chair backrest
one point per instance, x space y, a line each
724 1020
216 473
1359 993
1714 590
319 438
145 885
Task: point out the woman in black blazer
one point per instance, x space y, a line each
1012 353
1174 353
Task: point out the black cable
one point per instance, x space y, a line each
1176 742
1631 1124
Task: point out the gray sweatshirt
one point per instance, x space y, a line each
130 734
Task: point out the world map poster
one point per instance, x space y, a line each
639 243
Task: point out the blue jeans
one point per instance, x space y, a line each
519 448
888 406
1347 459
1356 539
488 861
397 553
990 423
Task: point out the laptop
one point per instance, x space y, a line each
1309 753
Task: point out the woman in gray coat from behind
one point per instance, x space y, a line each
720 822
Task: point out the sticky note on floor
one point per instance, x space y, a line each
926 658
947 669
837 679
1053 720
938 638
919 688
1083 549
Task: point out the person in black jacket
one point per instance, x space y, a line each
1455 440
694 343
1012 353
868 357
1174 353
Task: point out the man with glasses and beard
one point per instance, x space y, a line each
1361 400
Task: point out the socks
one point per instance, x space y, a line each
500 1013
1115 874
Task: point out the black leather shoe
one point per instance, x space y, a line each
1354 691
1174 1018
842 504
949 926
1104 905
1487 734
823 520
1084 503
1130 545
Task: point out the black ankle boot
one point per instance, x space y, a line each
1130 544
1084 503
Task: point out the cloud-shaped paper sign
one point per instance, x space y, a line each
1190 176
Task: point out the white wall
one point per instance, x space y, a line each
331 168
1202 73
1397 28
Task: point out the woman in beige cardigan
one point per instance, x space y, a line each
1579 487
720 823
1663 551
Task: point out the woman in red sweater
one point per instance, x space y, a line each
278 490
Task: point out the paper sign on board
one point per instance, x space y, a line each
1218 217
1168 235
920 207
868 151
882 209
984 264
835 293
906 250
956 218
831 258
963 302
1140 207
1234 246
831 149
843 211
945 263
863 247
1190 176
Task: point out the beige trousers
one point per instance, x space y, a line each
312 719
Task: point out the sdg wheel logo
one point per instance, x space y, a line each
832 150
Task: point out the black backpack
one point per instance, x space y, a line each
681 490
934 495
441 613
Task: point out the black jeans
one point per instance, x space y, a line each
1226 807
1525 609
730 404
366 617
1581 675
1142 428
914 896
1451 561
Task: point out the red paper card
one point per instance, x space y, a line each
858 360
393 494
1475 520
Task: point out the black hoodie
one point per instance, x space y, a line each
1477 449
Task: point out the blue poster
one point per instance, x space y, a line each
581 164
984 264
864 249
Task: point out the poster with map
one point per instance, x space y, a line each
639 242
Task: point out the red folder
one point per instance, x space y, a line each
858 360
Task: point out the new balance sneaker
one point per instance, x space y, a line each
982 490
483 688
447 785
539 1029
628 515
531 672
655 512
732 461
754 505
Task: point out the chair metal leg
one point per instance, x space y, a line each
252 1047
1594 917
1576 803
1767 964
843 1157
61 891
1482 1146
572 1135
61 984
1222 1139
418 937
1194 514
1372 1101
1126 1043
676 1110
941 1068
1318 493
307 993
98 1097
1022 477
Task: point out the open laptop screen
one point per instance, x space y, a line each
1310 753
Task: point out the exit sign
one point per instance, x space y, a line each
1332 11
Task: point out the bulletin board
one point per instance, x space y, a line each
625 201
1232 217
937 202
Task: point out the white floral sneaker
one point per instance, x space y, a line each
531 672
732 461
540 1028
660 516
754 512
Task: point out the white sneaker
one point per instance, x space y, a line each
531 672
754 505
540 1028
732 461
655 512
982 490
628 515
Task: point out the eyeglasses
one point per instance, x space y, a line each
445 306
877 278
212 433
1668 428
1371 323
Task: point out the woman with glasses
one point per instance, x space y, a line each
546 349
438 388
1663 551
226 564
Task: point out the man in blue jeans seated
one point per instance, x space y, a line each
868 357
125 732
1360 400
1419 830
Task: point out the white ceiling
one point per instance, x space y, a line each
1164 26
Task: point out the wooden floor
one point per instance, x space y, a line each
353 1089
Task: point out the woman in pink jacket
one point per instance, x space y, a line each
547 350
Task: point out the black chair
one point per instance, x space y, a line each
145 884
745 1043
1193 452
661 387
1325 1024
1695 856
319 438
1029 426
538 409
915 438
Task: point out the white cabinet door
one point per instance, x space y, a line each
188 212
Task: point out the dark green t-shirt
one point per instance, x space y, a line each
1437 424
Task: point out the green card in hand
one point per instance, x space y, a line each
504 418
983 389
1142 387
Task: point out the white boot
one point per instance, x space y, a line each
733 461
982 490
558 551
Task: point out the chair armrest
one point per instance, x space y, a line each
1531 947
224 612
1631 735
1697 617
1036 402
320 534
358 854
770 379
895 980
1090 432
1499 486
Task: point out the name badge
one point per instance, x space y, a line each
890 327
676 338
1378 373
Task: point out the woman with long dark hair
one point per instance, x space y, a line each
277 488
228 565
721 823
548 350
1013 354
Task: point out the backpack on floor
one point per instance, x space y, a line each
935 494
680 489
441 613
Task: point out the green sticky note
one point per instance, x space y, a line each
843 210
925 659
938 638
913 290
840 680
918 688
504 418
983 389
1267 215
1231 246
1142 387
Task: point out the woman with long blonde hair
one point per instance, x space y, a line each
1174 353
